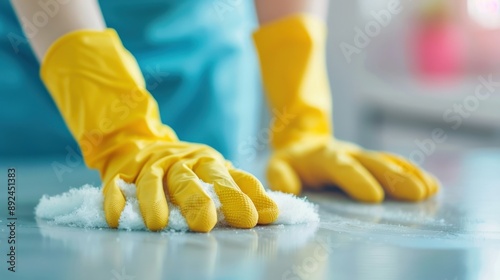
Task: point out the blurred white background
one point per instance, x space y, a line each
403 70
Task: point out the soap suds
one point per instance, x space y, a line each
83 207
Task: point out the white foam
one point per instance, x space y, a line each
83 207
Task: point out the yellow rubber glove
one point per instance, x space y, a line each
292 58
100 91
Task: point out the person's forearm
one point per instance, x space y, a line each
268 11
64 18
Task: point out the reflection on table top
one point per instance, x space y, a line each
455 235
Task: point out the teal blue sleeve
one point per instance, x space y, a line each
197 58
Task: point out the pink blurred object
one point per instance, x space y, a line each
439 51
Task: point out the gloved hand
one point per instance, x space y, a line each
292 58
100 91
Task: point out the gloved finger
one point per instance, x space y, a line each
151 197
186 191
348 174
114 201
396 181
430 182
282 177
251 186
237 207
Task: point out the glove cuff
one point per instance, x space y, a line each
100 92
292 59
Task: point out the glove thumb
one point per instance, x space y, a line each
282 177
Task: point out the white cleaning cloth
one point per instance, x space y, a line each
83 207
